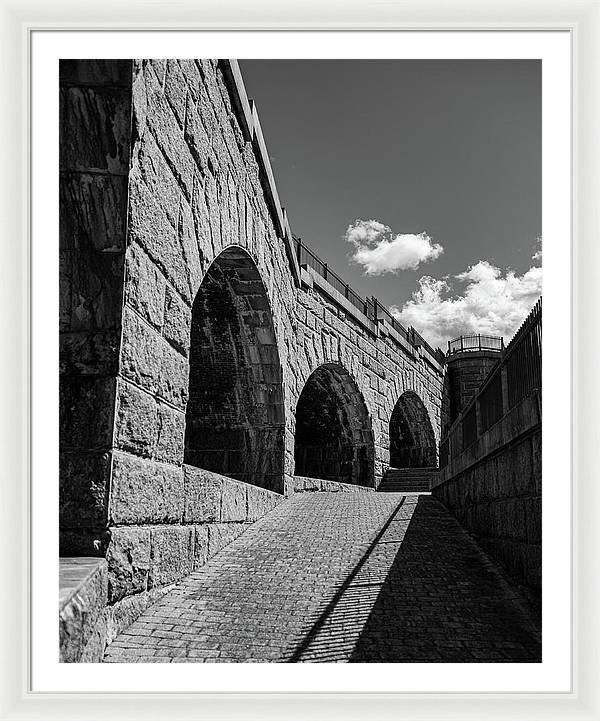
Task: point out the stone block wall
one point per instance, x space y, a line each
494 488
302 484
95 140
381 369
160 542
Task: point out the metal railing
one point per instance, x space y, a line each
469 427
308 257
491 408
523 357
382 313
474 342
517 373
370 307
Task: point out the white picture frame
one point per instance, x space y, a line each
582 20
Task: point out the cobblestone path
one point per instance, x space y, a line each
340 577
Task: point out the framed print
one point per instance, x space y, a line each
293 412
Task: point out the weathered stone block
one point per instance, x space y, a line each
95 128
159 65
83 596
233 501
96 290
137 420
177 321
83 489
171 431
187 238
152 169
94 649
89 353
202 495
145 491
86 412
145 287
65 296
197 138
95 72
173 379
171 555
93 212
128 557
168 135
141 352
260 502
176 90
150 227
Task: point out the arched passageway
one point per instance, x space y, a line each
235 415
334 438
412 440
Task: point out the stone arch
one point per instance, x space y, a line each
235 418
334 435
412 438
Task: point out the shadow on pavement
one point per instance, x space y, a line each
423 592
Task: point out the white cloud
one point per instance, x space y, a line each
379 251
493 302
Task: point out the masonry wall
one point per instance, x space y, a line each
197 185
494 488
382 369
95 138
194 190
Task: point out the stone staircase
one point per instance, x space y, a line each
408 480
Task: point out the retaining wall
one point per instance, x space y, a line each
494 488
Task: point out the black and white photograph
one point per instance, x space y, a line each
300 361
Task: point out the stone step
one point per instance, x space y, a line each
412 471
409 488
404 476
408 480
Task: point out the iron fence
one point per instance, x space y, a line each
523 358
381 312
491 408
477 341
307 257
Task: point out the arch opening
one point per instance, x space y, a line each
334 437
235 420
412 440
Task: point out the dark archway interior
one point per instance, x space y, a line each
334 438
235 415
412 440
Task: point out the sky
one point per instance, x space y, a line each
419 182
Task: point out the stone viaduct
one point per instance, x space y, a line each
209 365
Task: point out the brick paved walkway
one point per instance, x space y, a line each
340 577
